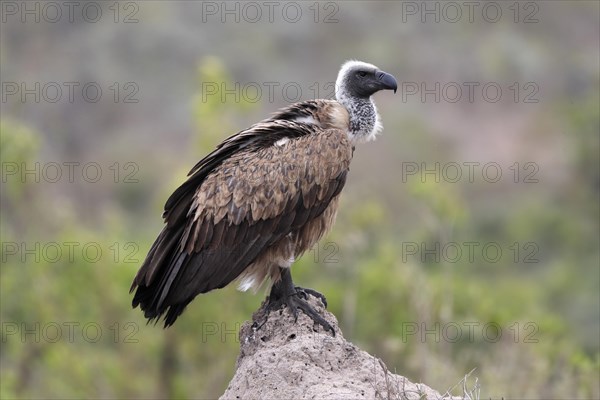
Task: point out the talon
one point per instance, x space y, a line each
256 326
293 310
305 292
300 292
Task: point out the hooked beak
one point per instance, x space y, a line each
387 81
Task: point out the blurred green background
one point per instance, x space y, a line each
434 273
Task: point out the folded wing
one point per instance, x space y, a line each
256 188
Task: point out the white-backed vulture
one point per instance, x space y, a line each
262 198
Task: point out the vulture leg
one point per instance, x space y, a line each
284 293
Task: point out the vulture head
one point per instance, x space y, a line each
356 82
361 79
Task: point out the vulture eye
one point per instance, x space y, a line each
362 74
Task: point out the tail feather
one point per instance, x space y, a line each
153 281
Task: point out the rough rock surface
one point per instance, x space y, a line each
288 360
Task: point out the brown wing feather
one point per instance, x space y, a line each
252 197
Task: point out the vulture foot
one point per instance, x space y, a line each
285 294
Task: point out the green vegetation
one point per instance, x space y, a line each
68 329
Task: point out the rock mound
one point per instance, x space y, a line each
284 359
